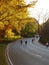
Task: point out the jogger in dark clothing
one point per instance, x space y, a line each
21 42
32 40
26 42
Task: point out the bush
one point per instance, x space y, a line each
12 38
43 40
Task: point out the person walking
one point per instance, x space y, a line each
25 42
47 44
32 40
21 42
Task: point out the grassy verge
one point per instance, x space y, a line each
2 54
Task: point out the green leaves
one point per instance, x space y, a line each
30 29
45 32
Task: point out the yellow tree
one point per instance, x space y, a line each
14 11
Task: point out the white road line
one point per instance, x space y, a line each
39 56
7 51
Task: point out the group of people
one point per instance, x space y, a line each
47 44
22 42
25 42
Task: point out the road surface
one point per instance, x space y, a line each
31 54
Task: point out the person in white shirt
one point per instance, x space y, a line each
47 44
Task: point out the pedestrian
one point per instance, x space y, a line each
26 42
21 42
32 40
47 44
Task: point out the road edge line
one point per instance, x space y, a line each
9 62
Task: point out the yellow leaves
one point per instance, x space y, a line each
5 1
13 3
15 8
1 26
4 15
6 22
13 12
1 3
9 33
16 2
15 25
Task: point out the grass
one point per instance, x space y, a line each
2 54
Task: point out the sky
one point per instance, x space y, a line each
40 11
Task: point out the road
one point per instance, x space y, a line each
30 54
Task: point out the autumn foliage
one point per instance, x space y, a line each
13 17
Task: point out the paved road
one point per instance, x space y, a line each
30 54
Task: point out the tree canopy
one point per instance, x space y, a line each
45 32
13 16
